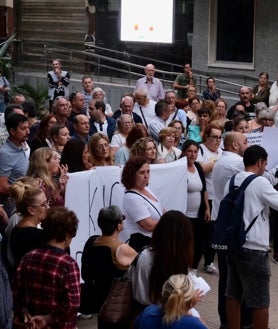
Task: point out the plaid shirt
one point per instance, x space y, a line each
47 281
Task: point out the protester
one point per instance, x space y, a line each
178 298
140 205
46 288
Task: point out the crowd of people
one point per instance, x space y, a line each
79 132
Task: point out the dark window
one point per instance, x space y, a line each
235 31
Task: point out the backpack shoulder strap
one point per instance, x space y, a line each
232 183
244 184
247 181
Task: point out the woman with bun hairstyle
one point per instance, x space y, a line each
32 204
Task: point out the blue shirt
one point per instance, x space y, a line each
152 318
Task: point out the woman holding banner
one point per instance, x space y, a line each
140 205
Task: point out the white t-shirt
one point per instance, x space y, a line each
168 156
148 111
208 157
117 140
137 208
227 165
194 188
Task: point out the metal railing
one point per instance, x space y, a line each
121 67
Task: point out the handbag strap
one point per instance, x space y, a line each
134 192
143 117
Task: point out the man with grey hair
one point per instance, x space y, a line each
126 107
152 84
175 113
144 106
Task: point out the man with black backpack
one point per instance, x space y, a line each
248 267
229 164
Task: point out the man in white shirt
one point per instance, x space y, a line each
248 269
229 164
144 106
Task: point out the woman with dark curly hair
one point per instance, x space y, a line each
145 147
140 205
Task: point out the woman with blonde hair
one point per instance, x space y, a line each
99 151
220 112
178 298
45 165
145 147
166 150
32 204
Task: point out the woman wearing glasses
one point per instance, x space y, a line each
208 154
179 135
32 204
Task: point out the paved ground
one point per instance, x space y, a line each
208 308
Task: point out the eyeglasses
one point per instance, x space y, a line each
102 146
122 219
215 137
178 128
45 205
204 115
267 119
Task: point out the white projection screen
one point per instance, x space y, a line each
147 20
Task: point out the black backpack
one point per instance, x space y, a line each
229 233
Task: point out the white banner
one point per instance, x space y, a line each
89 191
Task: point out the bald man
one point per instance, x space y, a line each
152 84
229 164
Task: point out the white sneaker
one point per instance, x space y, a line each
193 272
211 269
85 316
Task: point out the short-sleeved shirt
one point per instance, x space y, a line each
13 164
137 208
183 80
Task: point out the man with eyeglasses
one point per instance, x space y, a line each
99 122
183 81
152 84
